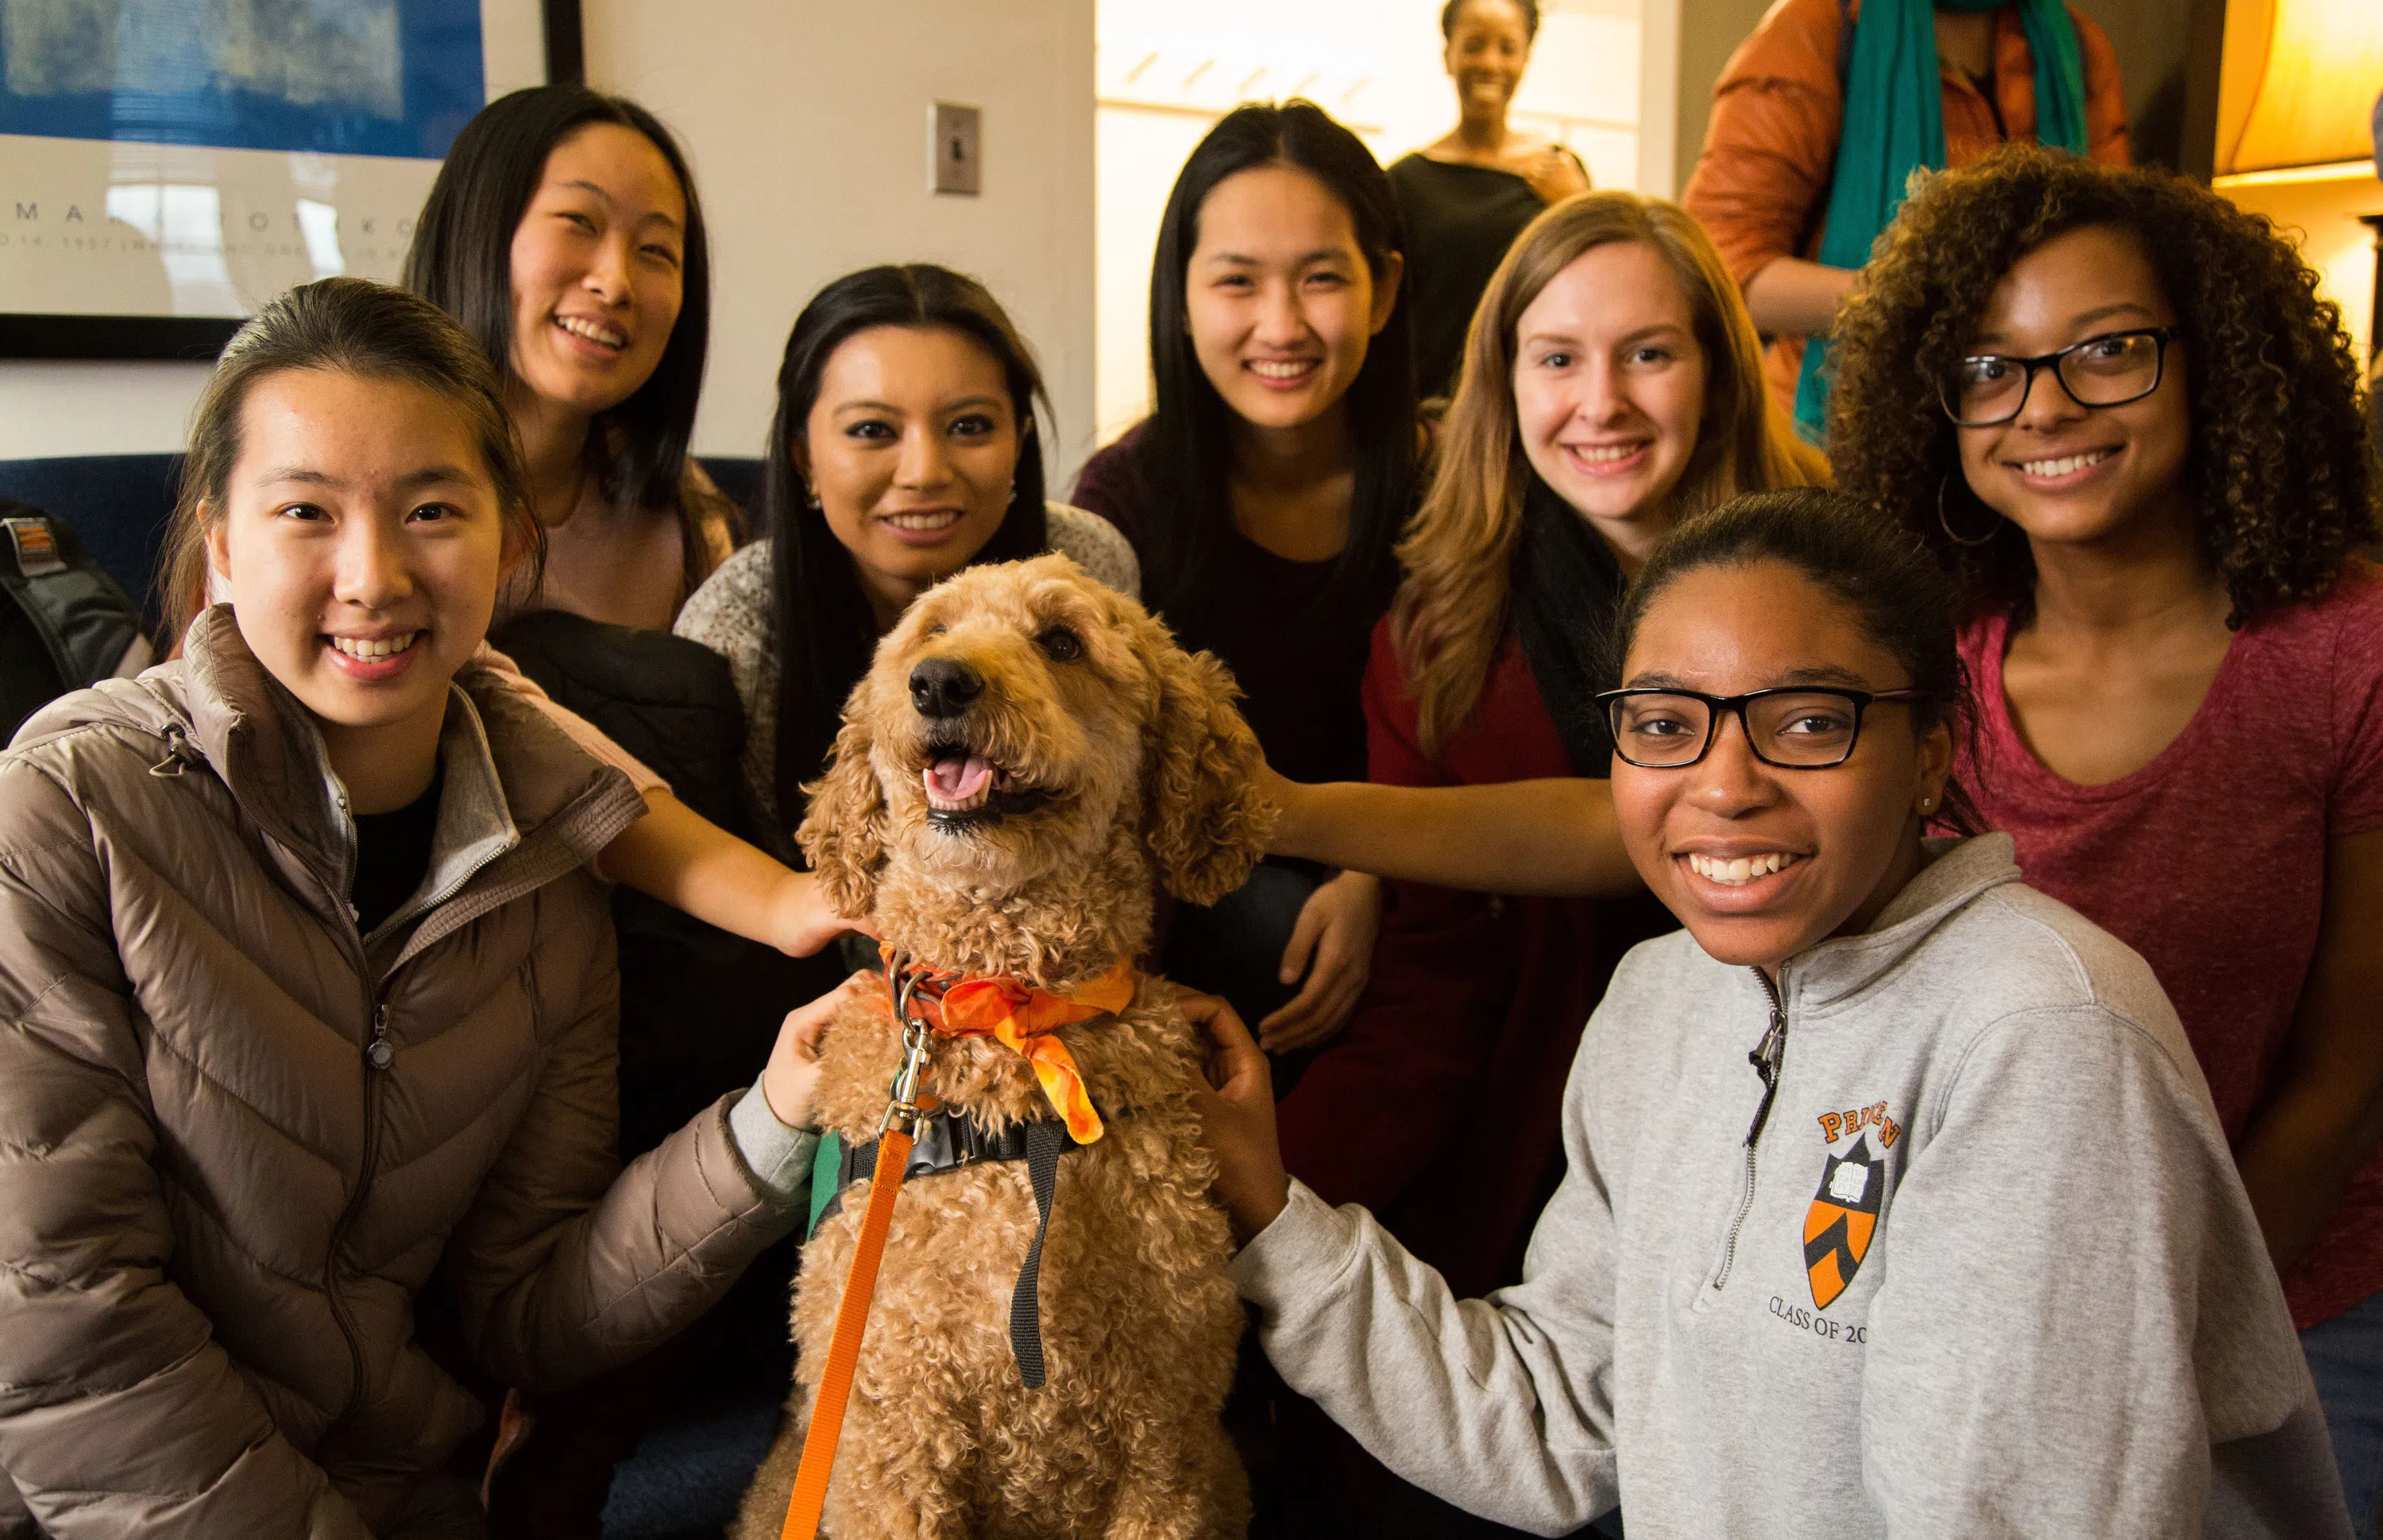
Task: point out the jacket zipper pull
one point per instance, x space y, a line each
377 1052
1766 1059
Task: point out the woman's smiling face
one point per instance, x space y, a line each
360 544
2066 473
1845 840
911 449
597 269
1488 44
1610 390
1278 300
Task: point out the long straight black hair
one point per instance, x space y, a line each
822 624
462 262
1185 452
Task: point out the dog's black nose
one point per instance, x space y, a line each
944 686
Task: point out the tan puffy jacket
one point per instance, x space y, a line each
237 1138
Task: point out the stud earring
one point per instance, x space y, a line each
810 498
1946 525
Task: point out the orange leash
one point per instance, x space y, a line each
895 1133
844 1349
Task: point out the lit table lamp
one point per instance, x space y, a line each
2297 108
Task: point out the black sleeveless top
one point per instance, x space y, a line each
1460 220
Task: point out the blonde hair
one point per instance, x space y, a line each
1451 615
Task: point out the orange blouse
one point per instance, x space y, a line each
1761 187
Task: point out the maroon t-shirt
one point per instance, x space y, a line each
2210 860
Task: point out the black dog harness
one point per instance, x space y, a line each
949 1140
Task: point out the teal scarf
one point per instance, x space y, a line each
1895 125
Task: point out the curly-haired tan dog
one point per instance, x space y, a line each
1028 747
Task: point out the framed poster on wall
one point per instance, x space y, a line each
168 165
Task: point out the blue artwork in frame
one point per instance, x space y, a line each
338 77
168 165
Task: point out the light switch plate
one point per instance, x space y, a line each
956 149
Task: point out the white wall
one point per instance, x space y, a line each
1167 72
59 407
807 124
807 128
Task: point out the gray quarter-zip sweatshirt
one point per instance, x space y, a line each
1980 1267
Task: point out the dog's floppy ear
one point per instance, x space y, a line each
1205 819
843 835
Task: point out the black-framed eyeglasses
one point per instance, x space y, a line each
2109 370
1793 727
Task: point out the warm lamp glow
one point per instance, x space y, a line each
2299 82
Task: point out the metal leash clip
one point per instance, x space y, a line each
902 1103
903 1115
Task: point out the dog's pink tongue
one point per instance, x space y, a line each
957 779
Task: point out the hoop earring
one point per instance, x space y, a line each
1946 525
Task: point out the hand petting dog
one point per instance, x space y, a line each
1235 1101
791 1079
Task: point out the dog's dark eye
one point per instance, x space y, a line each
1063 644
936 629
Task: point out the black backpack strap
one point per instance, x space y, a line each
90 629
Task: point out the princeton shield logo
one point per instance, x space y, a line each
1843 1216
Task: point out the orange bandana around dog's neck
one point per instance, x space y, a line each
1023 1019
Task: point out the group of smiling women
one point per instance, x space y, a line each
1963 1166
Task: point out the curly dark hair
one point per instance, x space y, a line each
2279 464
